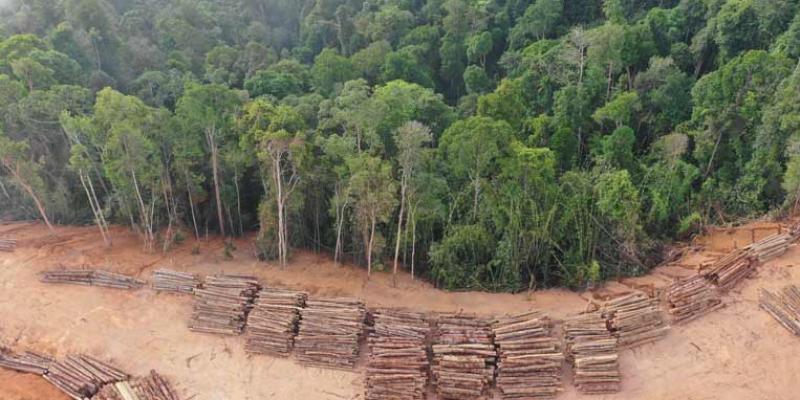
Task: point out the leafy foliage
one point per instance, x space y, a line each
492 144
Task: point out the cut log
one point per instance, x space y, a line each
635 319
273 322
530 359
691 298
174 281
329 333
592 350
464 357
222 304
90 277
784 306
397 364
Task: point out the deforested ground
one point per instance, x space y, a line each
738 352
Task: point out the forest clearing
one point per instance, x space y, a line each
738 351
399 199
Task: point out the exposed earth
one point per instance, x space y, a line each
739 352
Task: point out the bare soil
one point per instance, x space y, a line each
736 353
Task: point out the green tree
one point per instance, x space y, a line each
373 190
539 21
209 109
24 172
473 149
331 69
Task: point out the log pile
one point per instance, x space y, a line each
27 362
464 357
272 324
784 306
691 298
530 359
592 349
221 306
397 365
635 319
728 271
770 247
8 245
329 334
174 281
151 387
82 376
91 277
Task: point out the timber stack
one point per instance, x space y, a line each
691 298
8 245
151 387
222 304
784 306
27 362
530 358
397 365
330 331
728 271
89 277
81 377
464 357
770 247
592 350
174 281
272 323
635 319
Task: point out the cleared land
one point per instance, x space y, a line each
739 352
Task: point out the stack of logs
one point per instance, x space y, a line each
728 271
82 376
691 298
592 349
151 387
221 306
27 362
174 281
635 319
530 358
770 247
784 306
464 357
8 245
272 324
329 332
91 277
397 366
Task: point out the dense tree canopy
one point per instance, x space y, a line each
492 144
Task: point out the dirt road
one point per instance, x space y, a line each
736 353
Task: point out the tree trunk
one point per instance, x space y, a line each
369 245
191 207
238 202
276 173
413 221
29 190
403 185
100 211
96 210
144 214
212 144
339 227
165 188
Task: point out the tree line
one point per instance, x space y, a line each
485 144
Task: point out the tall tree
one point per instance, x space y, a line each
373 190
210 110
410 139
15 159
